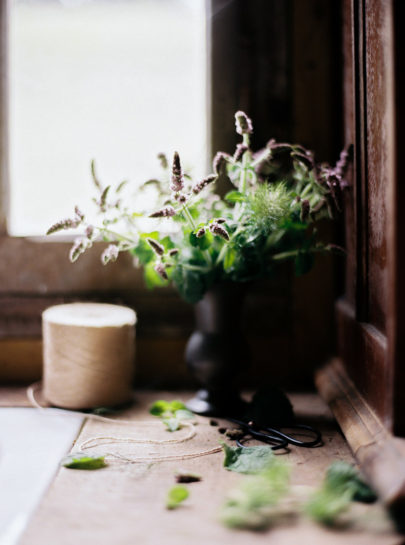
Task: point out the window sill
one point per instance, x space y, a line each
127 501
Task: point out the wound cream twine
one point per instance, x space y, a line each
100 440
88 355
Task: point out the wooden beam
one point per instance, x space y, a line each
380 455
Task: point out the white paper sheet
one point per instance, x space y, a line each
32 443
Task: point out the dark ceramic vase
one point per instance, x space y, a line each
217 351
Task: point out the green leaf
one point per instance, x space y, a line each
172 412
203 242
159 408
175 496
342 484
177 405
326 505
191 284
342 475
172 424
247 459
143 252
235 196
253 504
230 257
183 414
82 460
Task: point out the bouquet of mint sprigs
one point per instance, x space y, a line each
276 197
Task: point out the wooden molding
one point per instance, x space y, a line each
380 455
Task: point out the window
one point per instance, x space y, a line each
113 80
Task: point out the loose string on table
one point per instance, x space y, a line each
100 440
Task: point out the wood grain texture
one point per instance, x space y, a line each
124 503
396 228
369 317
376 450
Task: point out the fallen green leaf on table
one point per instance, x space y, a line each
171 413
172 424
162 408
341 486
247 459
175 496
82 460
253 504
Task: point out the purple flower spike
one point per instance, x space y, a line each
156 246
110 254
177 174
243 123
198 187
160 269
217 229
166 212
220 161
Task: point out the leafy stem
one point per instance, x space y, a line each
193 226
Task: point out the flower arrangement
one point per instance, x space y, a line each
276 197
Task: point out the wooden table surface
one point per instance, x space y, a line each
124 503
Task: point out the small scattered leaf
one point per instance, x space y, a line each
159 408
172 424
342 484
253 505
184 414
82 460
247 459
175 496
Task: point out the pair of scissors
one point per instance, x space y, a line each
275 437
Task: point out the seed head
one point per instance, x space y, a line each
110 254
200 233
160 269
217 229
173 252
156 246
79 246
177 174
89 231
198 187
165 212
63 224
243 123
179 197
220 161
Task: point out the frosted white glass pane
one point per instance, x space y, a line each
114 80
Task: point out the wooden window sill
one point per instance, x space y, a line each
124 503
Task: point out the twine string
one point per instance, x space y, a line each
96 441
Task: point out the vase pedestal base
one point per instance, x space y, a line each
225 404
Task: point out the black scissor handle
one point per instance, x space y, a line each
316 441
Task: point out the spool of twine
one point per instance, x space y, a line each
88 351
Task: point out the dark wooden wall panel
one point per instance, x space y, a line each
371 313
379 141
